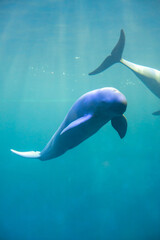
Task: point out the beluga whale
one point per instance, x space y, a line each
87 115
149 76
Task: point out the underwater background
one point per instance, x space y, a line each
107 187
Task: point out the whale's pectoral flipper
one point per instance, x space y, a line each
157 113
80 121
115 56
120 125
31 154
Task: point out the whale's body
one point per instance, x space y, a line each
88 114
149 76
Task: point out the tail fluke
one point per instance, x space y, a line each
30 154
115 56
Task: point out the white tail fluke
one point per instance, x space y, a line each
31 154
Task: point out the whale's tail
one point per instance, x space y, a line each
115 56
30 154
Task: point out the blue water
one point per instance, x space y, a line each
106 188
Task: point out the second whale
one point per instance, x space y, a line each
149 76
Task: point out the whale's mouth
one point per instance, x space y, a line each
122 108
120 105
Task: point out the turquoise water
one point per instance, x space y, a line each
106 188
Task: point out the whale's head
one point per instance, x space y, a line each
112 102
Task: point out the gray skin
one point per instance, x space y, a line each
149 76
88 114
